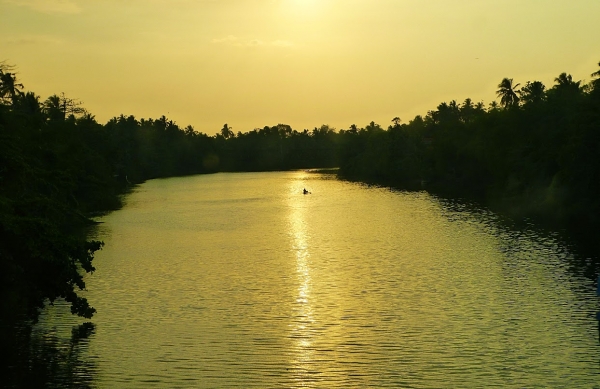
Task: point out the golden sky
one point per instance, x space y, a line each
251 63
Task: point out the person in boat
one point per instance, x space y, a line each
305 191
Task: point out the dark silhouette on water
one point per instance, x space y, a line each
43 359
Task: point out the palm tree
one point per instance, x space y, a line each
533 92
60 107
30 104
9 87
53 108
468 110
226 131
508 93
565 80
565 87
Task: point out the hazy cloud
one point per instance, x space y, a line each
33 40
49 6
232 40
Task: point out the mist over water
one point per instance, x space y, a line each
240 280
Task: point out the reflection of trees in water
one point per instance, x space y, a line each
579 249
39 358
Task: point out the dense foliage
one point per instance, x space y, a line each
534 154
58 166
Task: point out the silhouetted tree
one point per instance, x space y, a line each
508 93
53 108
58 164
9 87
226 131
533 92
61 107
493 106
565 81
540 159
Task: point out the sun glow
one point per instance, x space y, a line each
304 3
303 7
298 62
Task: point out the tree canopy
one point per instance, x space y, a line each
534 154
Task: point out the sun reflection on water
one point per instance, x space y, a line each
211 282
302 315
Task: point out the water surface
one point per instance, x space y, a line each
240 280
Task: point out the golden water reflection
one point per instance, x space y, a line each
241 281
302 312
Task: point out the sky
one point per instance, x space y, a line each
256 63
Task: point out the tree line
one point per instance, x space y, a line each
534 153
59 167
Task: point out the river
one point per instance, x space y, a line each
241 281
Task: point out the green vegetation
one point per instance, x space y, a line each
535 154
59 166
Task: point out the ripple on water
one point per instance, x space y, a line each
210 282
